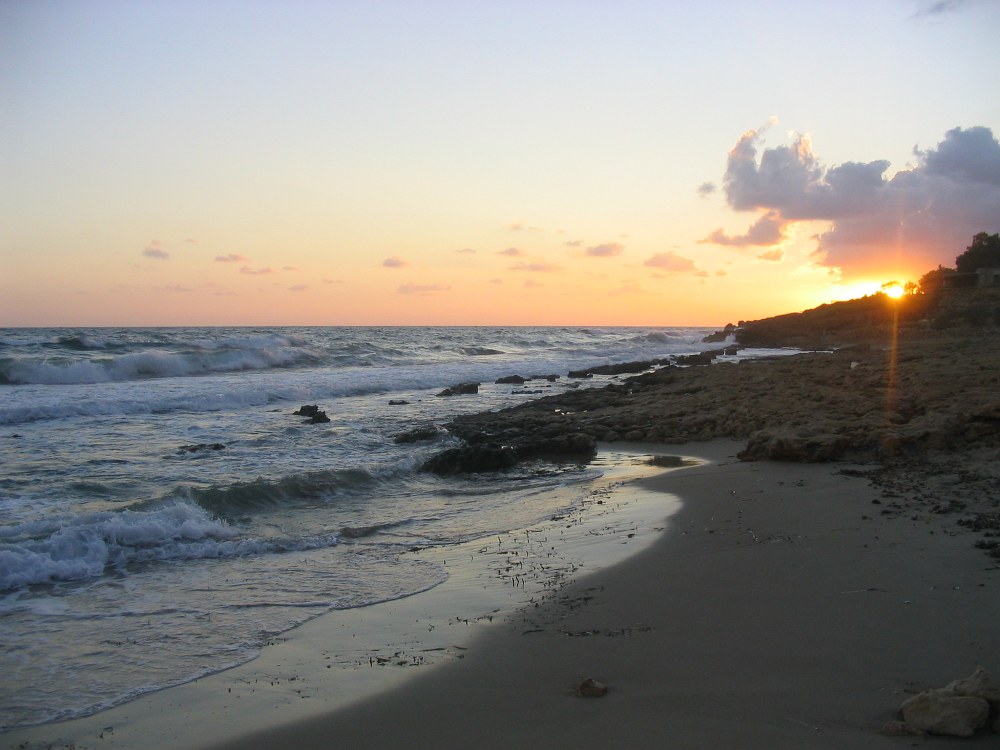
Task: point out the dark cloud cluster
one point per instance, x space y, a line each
922 216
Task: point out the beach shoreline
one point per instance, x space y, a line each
775 611
345 656
777 608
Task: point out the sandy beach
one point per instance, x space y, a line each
777 610
787 604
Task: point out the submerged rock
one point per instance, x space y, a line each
462 389
420 434
316 416
511 380
201 447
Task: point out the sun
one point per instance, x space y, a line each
894 291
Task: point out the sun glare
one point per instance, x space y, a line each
895 291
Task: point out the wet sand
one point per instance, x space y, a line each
778 609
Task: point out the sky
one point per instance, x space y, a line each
433 162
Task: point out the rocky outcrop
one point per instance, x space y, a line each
313 412
492 456
511 380
462 389
958 710
420 434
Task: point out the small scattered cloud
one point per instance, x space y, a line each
155 251
466 251
231 258
773 255
518 226
536 267
289 268
532 284
512 252
607 250
176 288
496 281
931 8
298 288
573 243
191 241
422 289
630 286
394 262
670 261
255 271
722 272
706 188
333 281
701 274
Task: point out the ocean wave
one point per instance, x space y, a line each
264 493
84 547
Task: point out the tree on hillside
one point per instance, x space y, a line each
984 252
934 280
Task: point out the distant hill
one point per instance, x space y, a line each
871 319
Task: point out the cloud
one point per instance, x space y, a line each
289 268
922 216
939 7
231 258
706 188
769 229
775 255
155 250
394 262
422 288
518 226
532 284
466 251
629 286
512 252
298 288
670 261
573 243
537 267
255 271
607 250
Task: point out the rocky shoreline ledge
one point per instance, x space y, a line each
921 405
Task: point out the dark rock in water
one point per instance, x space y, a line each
511 380
550 378
719 336
471 459
398 402
462 389
622 368
313 412
201 447
420 434
490 456
689 360
731 351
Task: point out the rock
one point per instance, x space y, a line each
938 712
430 432
690 360
313 412
471 459
511 380
790 446
979 685
398 402
731 351
896 728
622 368
591 688
462 389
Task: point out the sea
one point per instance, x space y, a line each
164 512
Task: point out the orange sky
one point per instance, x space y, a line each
170 163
